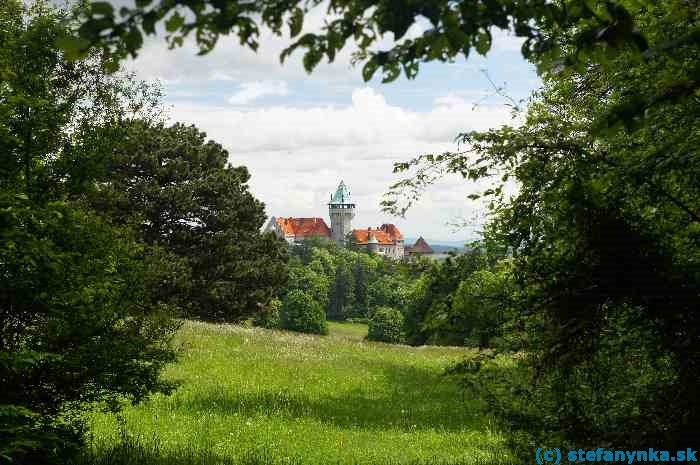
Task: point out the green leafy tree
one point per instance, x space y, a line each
178 190
482 304
364 274
342 293
386 325
429 315
77 326
604 235
77 323
269 317
389 290
300 312
309 278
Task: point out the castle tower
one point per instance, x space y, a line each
372 242
341 211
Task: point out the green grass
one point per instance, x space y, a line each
250 395
349 331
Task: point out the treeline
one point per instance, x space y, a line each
329 282
112 224
463 300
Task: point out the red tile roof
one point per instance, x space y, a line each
392 231
420 247
303 227
387 234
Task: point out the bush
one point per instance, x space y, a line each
269 317
386 325
78 327
300 312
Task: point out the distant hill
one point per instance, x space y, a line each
440 246
445 248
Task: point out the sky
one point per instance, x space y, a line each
300 134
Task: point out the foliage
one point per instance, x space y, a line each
429 316
77 325
342 291
386 325
177 189
604 235
349 284
418 32
269 317
300 312
311 279
482 304
389 290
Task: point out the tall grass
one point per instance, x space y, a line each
253 396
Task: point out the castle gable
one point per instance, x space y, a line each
420 247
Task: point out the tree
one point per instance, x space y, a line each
389 290
482 303
310 279
342 291
429 314
77 324
364 271
386 325
269 317
300 312
603 231
177 189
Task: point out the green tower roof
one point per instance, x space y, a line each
342 195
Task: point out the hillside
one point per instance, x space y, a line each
260 396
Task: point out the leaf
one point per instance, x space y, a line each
296 22
391 72
102 8
369 69
311 59
148 23
133 40
482 42
73 47
175 22
111 66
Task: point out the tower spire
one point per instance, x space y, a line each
342 211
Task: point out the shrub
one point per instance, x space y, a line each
300 312
386 325
78 327
269 317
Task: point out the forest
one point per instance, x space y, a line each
135 274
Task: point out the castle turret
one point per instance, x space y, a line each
342 211
372 242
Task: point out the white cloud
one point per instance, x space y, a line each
250 91
298 155
368 120
450 100
219 76
229 60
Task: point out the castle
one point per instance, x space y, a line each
385 240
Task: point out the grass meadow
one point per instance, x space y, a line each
253 396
